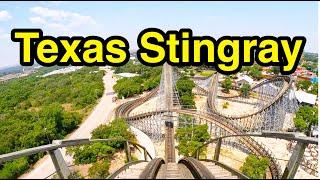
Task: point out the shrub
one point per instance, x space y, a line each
225 105
306 117
99 170
245 90
191 137
226 84
184 87
254 167
13 169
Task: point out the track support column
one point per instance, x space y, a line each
59 163
145 154
294 161
128 151
217 150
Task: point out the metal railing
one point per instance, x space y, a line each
198 170
58 161
296 156
152 169
123 168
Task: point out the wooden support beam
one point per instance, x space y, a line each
294 161
217 150
59 163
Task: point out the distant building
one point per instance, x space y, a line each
63 70
243 80
11 76
299 71
127 75
314 79
314 131
305 98
302 73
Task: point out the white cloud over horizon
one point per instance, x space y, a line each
4 35
126 19
59 20
37 20
4 15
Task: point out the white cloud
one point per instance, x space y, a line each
59 27
37 20
4 15
55 2
59 19
4 35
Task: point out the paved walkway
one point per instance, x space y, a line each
100 115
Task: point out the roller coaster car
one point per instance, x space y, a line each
169 124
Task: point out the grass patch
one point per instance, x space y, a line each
206 73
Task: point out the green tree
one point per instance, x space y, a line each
314 89
304 85
117 129
256 72
99 170
191 73
99 154
187 101
306 117
185 120
227 84
191 137
151 83
149 78
73 175
91 153
127 87
275 69
14 168
35 110
254 167
184 87
245 69
245 90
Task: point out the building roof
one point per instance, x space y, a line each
127 75
245 78
314 79
304 97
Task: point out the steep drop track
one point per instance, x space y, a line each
214 117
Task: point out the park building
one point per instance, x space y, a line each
305 98
245 79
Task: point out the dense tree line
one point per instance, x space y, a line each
308 86
149 78
101 153
313 57
184 87
36 110
255 71
306 117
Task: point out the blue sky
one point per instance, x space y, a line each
127 19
